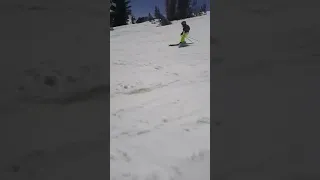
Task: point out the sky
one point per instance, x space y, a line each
144 7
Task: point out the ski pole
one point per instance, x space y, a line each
190 40
193 39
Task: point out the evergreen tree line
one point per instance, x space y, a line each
198 10
175 10
121 13
182 9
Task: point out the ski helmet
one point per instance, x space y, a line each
183 22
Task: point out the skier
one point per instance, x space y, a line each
185 32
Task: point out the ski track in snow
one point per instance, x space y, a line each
160 102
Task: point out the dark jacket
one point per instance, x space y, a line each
186 28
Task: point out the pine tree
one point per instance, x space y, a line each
133 19
171 7
195 8
183 9
157 13
204 8
194 3
113 7
150 18
122 12
163 20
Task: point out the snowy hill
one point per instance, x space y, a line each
160 102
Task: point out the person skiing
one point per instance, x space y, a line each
185 32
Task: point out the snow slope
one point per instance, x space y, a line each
160 102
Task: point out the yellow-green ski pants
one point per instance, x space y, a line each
183 37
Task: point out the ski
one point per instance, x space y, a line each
174 44
179 44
